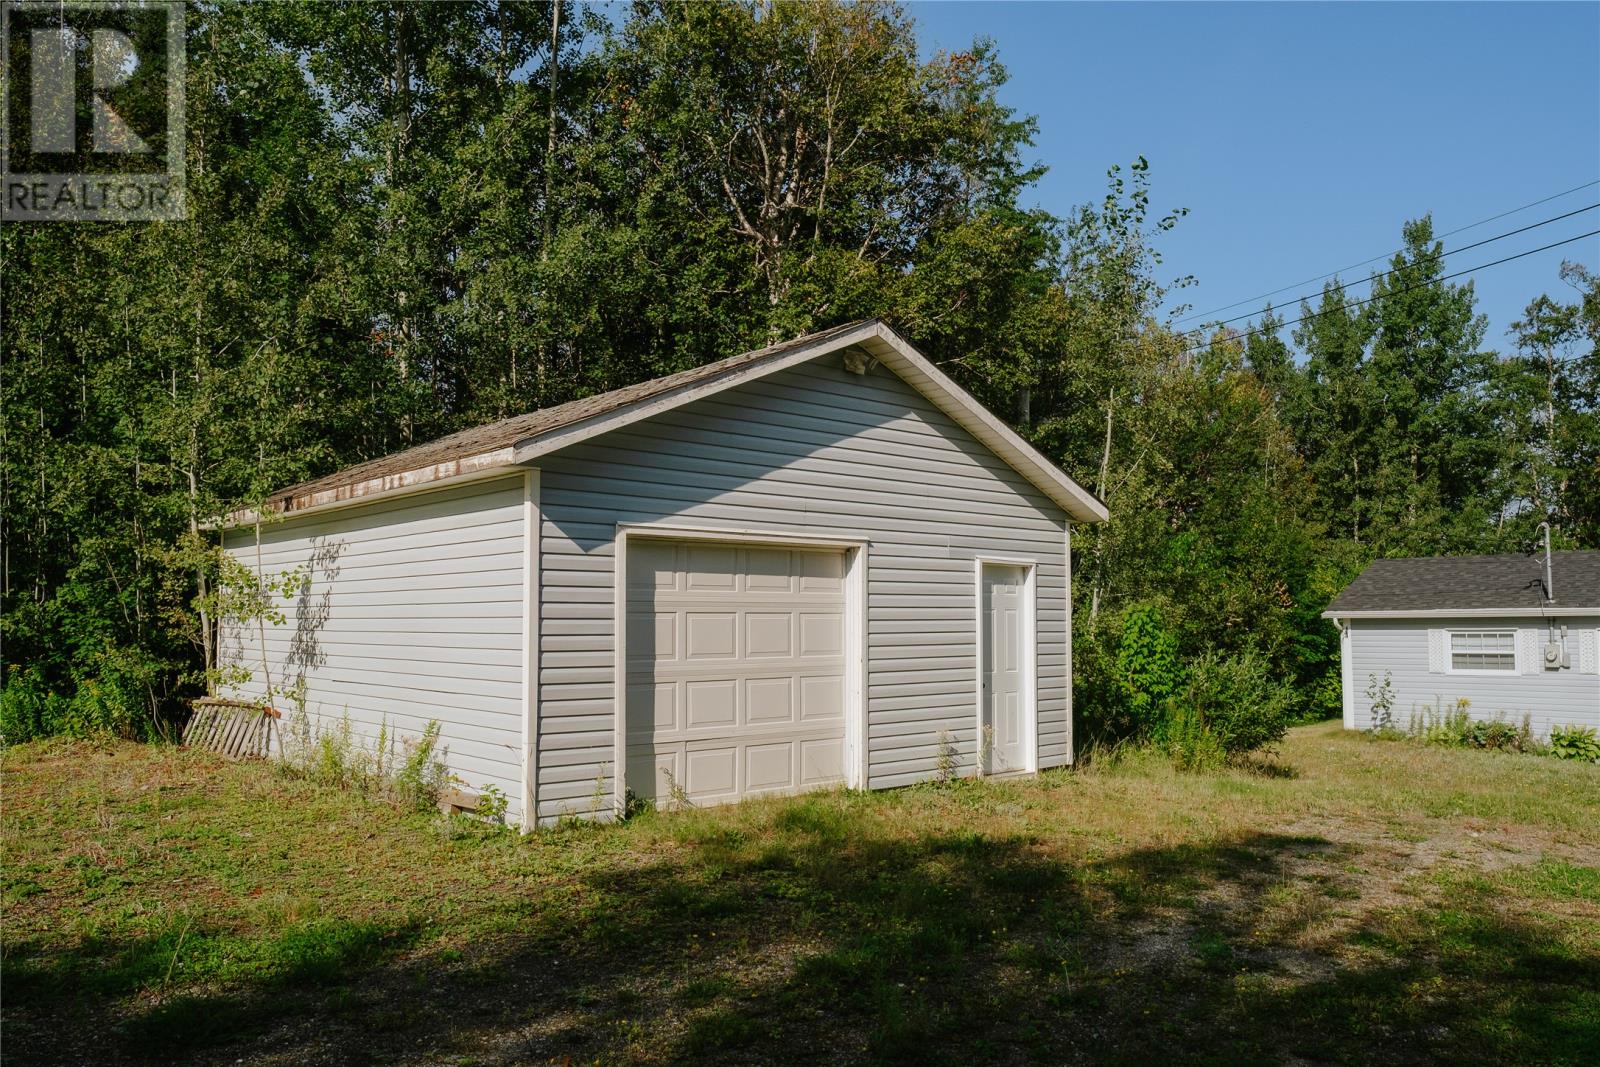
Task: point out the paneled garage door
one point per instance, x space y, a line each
735 669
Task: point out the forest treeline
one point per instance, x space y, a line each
409 219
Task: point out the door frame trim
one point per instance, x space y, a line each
1030 658
855 549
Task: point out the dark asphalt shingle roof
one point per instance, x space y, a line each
1474 583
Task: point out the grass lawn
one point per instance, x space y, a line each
1356 900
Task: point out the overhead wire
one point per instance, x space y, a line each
1410 288
1432 256
1386 255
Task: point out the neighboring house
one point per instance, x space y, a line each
1485 629
817 563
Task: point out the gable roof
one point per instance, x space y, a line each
1472 585
521 439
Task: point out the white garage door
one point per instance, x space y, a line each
735 669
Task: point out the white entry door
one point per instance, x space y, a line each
736 669
1004 671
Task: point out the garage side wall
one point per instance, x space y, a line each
810 451
406 612
1400 647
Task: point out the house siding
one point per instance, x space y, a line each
809 451
1400 647
411 612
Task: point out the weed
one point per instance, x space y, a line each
1457 728
947 761
334 757
1380 694
492 804
677 795
1192 746
424 773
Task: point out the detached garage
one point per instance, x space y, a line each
820 563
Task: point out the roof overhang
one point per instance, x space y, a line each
1465 613
893 352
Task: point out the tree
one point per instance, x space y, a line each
1548 405
1428 416
1334 416
210 360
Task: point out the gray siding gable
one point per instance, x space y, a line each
812 450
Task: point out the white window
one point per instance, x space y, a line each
1483 650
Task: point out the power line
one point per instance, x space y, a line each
1434 256
1419 285
1374 259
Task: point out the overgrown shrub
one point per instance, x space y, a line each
113 703
1575 743
1229 707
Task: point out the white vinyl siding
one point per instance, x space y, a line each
1483 650
410 611
812 451
1400 648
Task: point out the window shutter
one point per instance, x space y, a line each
1589 651
1437 651
1532 651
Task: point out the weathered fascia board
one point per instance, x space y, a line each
1464 613
493 464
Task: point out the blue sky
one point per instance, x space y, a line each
1301 136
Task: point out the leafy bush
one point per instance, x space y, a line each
1576 743
1325 699
116 702
1148 670
1229 707
28 708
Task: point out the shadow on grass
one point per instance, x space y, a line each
86 983
810 933
1260 766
